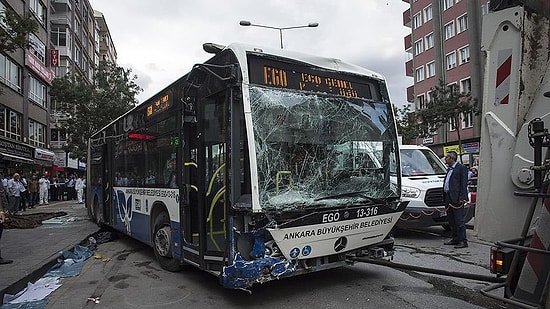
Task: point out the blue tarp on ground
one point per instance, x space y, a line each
69 264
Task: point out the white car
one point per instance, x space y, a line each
422 179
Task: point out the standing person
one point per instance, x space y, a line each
71 193
456 195
44 186
5 187
3 202
14 193
33 191
53 189
24 194
61 190
79 186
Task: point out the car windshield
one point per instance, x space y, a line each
316 150
420 162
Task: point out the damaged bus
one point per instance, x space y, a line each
256 165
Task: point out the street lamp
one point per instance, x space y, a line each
247 23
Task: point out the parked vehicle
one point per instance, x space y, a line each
423 174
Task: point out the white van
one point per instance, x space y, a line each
422 179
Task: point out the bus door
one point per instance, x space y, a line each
209 89
204 176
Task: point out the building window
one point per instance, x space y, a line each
419 74
10 73
449 30
37 92
37 48
62 69
58 36
464 54
418 47
421 102
428 15
77 55
447 4
430 69
429 41
10 123
428 96
466 85
450 60
417 20
452 124
38 9
37 133
467 120
462 23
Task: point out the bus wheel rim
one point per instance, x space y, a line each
162 241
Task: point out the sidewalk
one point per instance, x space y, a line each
35 250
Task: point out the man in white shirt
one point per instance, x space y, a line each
14 193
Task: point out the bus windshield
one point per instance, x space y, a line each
316 150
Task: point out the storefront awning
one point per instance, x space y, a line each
16 158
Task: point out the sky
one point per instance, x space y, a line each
161 40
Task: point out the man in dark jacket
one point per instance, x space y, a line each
456 195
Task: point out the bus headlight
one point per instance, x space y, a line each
410 192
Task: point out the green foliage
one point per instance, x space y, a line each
14 30
447 104
91 106
406 124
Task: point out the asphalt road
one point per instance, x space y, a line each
127 276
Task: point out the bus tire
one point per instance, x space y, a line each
162 243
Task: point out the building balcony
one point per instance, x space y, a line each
407 18
408 41
409 68
410 94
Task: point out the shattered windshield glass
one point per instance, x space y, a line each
315 150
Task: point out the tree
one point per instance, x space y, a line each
447 105
14 30
91 106
406 124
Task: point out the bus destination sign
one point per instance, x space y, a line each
271 73
159 105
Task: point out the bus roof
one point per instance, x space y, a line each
241 49
323 62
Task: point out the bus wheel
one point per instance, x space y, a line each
162 243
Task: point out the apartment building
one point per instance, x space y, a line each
444 44
81 39
25 77
71 37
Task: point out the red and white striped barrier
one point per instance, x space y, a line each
536 268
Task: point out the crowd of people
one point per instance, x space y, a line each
22 192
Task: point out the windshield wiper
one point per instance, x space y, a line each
352 194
